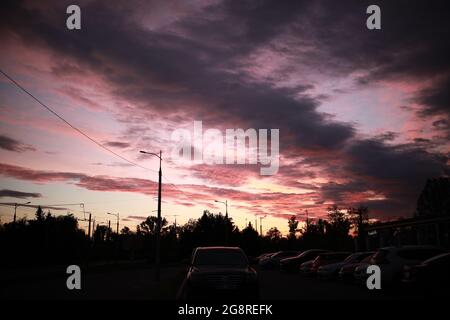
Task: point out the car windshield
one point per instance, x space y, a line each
220 257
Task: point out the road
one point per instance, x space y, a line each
137 282
282 286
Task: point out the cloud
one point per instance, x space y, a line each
14 145
18 194
117 144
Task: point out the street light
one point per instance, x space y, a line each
158 223
226 215
226 205
18 205
117 216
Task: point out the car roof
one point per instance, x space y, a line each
411 247
437 258
218 248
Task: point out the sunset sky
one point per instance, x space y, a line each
364 115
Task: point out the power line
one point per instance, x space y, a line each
71 125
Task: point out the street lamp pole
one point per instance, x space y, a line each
226 215
226 205
15 208
117 216
158 223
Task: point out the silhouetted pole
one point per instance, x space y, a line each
117 216
89 228
226 215
15 209
109 229
15 212
260 225
158 222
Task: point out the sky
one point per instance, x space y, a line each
363 115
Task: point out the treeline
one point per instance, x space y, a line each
49 239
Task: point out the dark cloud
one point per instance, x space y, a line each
117 144
145 66
10 144
436 100
18 194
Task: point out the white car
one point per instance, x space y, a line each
392 260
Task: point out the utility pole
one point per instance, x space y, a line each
15 209
109 229
226 215
260 224
89 228
158 223
118 218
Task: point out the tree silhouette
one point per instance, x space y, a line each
293 225
148 227
360 219
40 216
434 199
273 234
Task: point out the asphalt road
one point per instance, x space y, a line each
137 282
283 286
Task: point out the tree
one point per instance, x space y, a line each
125 231
250 241
338 228
148 227
360 219
293 225
434 200
40 216
273 234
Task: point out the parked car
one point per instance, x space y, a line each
217 272
293 264
392 260
331 271
346 273
306 267
273 261
256 260
430 277
327 258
